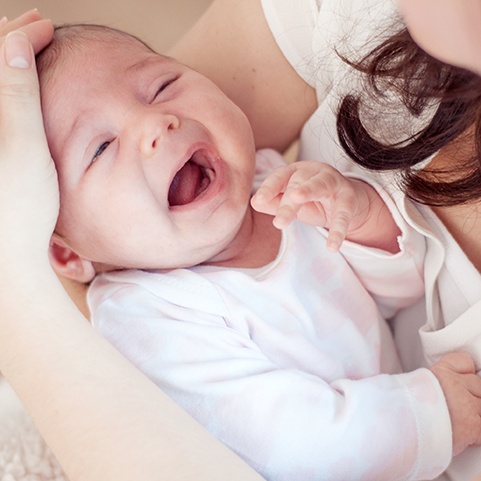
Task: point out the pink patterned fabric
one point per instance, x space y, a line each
286 364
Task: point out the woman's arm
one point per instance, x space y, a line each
103 419
233 46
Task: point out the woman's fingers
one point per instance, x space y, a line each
21 21
38 30
40 34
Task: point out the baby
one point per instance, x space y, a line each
230 303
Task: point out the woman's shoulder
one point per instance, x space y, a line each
233 45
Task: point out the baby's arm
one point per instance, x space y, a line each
318 194
456 374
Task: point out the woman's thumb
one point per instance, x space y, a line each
28 180
19 90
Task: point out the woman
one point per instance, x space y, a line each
39 320
349 70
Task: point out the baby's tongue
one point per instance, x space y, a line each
183 189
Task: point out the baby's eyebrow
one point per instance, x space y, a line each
144 63
69 141
77 124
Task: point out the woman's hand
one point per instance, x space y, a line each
38 30
28 180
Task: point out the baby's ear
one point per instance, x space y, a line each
67 263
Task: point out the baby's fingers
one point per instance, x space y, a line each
475 424
339 225
329 191
275 183
282 212
344 209
269 194
289 180
473 383
285 214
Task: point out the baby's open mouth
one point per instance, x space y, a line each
190 181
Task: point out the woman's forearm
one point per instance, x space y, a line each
102 418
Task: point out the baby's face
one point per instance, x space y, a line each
155 164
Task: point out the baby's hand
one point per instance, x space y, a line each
462 389
314 193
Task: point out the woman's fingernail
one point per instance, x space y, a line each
18 51
3 21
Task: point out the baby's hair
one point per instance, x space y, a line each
70 37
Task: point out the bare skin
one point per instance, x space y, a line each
447 29
464 224
463 221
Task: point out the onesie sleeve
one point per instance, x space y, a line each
286 423
394 280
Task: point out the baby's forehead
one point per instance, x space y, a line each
87 44
129 64
109 50
116 41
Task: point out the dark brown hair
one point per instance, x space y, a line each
420 81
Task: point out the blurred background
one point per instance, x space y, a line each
158 22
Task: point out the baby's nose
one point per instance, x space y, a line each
155 129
